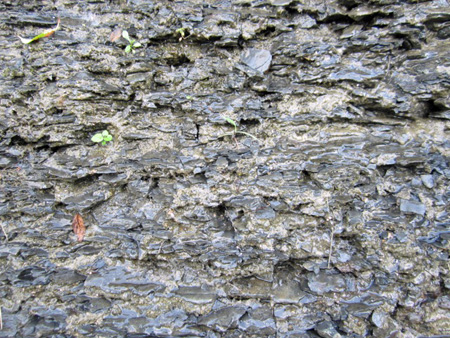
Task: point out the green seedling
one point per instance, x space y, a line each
102 137
44 34
182 32
236 131
132 44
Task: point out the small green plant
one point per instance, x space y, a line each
132 44
236 131
182 32
102 137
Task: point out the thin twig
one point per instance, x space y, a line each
1 319
6 237
331 248
160 247
235 140
331 238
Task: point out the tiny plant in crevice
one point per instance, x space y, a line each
236 131
132 44
182 32
102 137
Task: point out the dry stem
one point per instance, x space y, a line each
6 237
331 248
331 238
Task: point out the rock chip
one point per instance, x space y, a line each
257 59
412 207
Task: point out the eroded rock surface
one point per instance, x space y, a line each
333 222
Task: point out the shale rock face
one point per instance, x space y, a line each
333 222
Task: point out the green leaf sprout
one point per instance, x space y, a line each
182 32
236 131
132 44
102 137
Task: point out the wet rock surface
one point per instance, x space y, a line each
334 222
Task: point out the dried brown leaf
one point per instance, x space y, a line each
78 227
115 35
